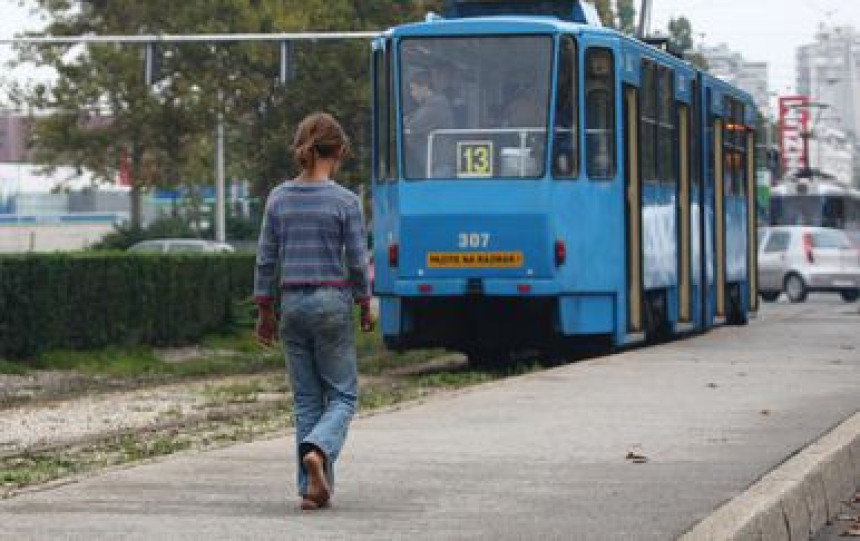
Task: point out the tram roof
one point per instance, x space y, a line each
498 24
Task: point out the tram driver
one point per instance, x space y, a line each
431 112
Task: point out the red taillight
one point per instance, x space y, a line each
425 288
807 247
560 253
393 254
524 288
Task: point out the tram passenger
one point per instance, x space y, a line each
432 112
313 230
524 111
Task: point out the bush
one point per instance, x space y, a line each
96 299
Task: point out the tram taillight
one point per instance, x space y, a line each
393 254
560 253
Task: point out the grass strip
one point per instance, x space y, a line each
130 447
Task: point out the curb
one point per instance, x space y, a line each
795 500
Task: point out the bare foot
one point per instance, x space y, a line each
318 490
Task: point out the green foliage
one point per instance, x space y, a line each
681 40
99 299
606 12
626 16
108 112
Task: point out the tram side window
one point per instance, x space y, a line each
695 140
658 124
392 112
565 162
741 149
734 147
648 122
380 118
384 127
666 128
599 114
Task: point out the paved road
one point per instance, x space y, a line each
540 456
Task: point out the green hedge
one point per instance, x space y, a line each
97 299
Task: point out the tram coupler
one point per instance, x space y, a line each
475 286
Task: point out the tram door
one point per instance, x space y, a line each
752 238
719 220
684 243
633 210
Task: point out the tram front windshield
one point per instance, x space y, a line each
475 107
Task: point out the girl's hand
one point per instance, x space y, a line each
368 318
267 326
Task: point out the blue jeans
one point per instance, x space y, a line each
319 339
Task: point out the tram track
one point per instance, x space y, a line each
51 441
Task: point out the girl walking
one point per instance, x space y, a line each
313 231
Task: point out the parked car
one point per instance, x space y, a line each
181 245
800 259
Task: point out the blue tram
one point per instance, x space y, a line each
540 182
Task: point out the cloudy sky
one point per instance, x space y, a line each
762 30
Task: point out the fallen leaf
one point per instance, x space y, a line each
636 458
712 385
765 412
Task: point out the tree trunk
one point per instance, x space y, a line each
136 210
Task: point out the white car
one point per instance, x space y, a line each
180 246
801 259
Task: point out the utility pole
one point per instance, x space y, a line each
644 20
220 200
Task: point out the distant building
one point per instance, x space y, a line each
14 134
731 67
828 71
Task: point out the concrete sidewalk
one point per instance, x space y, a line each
535 457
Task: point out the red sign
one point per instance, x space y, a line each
124 174
793 125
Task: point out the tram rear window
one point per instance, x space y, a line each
475 107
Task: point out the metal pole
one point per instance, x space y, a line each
220 203
644 19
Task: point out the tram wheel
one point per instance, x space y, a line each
736 314
769 296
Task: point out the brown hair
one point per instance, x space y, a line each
319 135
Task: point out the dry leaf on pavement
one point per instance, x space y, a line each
636 457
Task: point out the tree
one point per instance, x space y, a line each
681 40
102 110
606 12
680 34
626 16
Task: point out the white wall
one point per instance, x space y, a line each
50 237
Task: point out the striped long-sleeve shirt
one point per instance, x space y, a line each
314 232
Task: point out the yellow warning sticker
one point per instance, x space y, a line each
508 260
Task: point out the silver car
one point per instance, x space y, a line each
800 259
181 246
